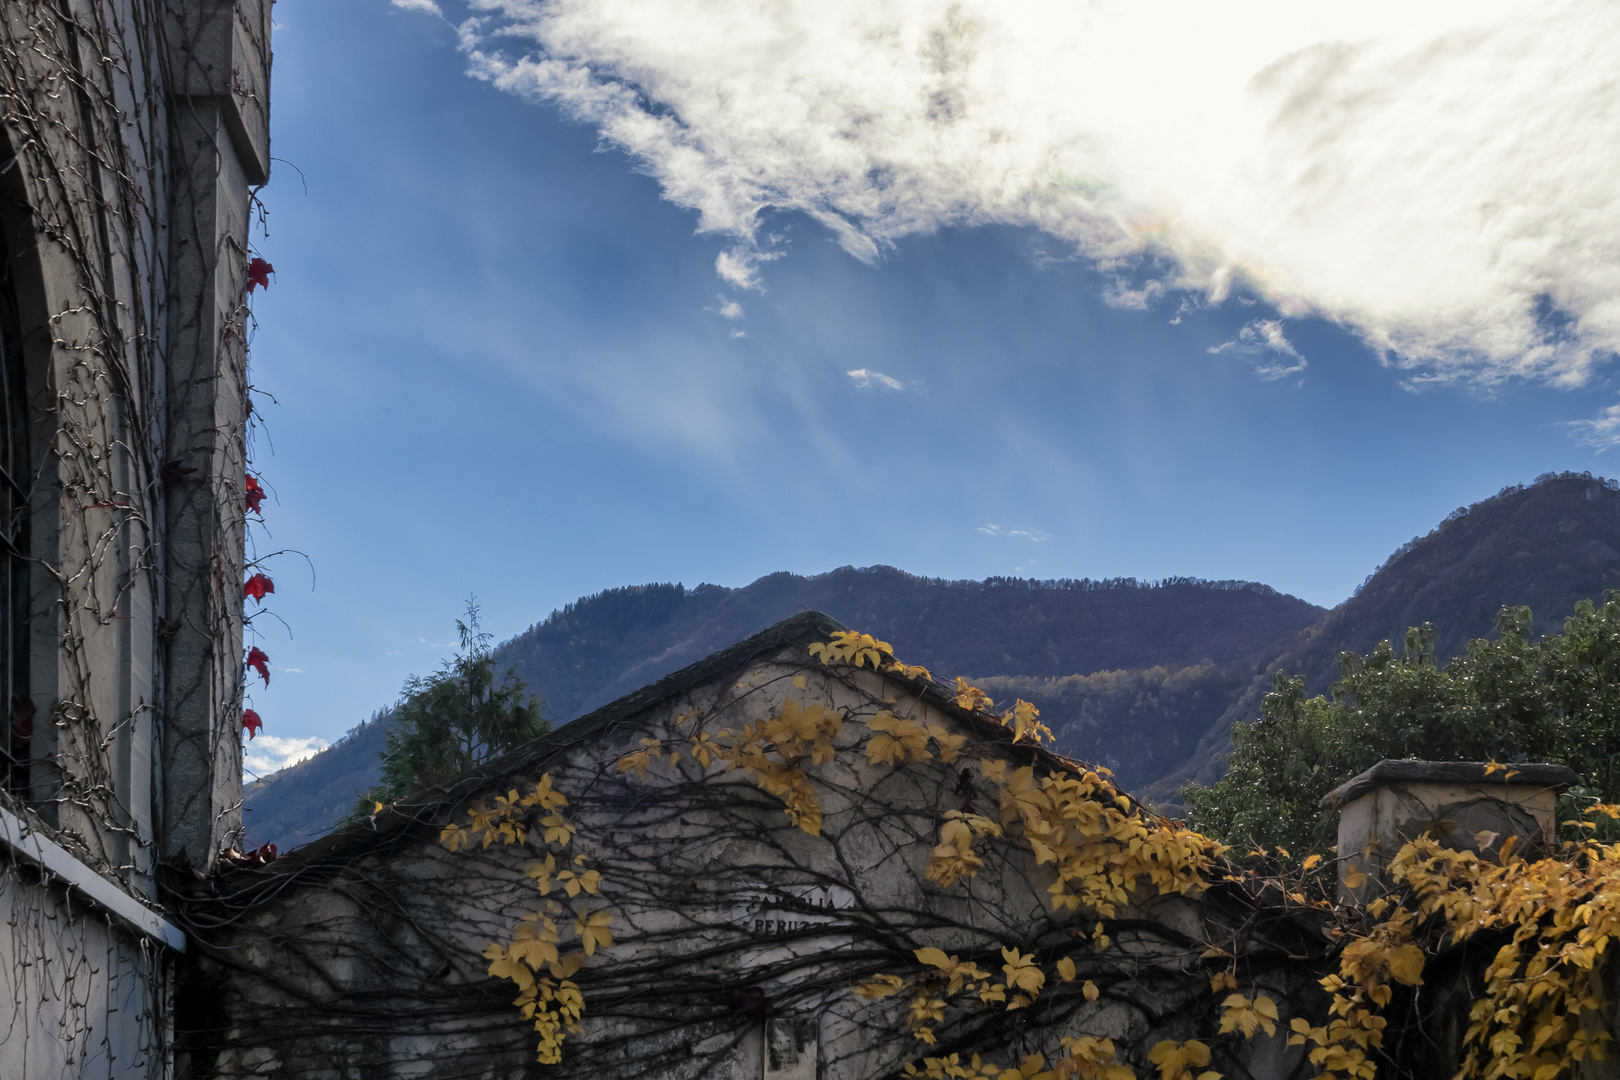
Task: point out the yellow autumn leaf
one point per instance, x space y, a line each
1090 991
880 986
592 928
1311 862
1176 1059
1242 1014
1021 971
1406 965
897 741
971 697
1065 969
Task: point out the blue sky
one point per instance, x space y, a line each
503 363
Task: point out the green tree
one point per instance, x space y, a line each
1508 699
454 720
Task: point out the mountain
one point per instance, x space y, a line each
1146 678
1545 546
604 646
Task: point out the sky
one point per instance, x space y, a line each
574 294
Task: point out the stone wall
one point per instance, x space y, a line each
738 937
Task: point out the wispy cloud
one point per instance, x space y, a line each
266 754
426 7
865 378
1032 535
1438 178
728 309
1263 340
1602 431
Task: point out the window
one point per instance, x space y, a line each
16 704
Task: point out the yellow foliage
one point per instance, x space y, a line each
896 741
849 647
1025 720
1247 1015
1176 1061
953 1068
1090 1058
954 857
592 928
1022 972
971 697
796 733
880 986
956 972
533 959
1540 1012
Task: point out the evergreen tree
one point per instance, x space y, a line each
454 720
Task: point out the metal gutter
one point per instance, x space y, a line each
31 845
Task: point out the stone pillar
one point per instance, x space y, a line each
1465 805
220 66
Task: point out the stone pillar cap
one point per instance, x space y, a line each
1393 771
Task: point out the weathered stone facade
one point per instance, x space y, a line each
132 133
738 936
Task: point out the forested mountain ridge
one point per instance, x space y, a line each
1145 678
1545 546
604 646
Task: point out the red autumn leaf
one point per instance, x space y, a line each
256 586
255 496
258 661
251 723
259 273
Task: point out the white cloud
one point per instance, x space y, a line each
1438 177
1264 339
865 378
1602 431
1033 535
426 7
265 754
728 309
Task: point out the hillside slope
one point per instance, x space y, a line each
604 646
1546 546
607 645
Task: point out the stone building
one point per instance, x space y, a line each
742 915
132 136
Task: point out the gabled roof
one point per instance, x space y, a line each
417 819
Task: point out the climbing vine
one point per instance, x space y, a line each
840 836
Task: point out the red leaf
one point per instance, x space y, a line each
256 586
258 273
251 722
255 496
258 661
